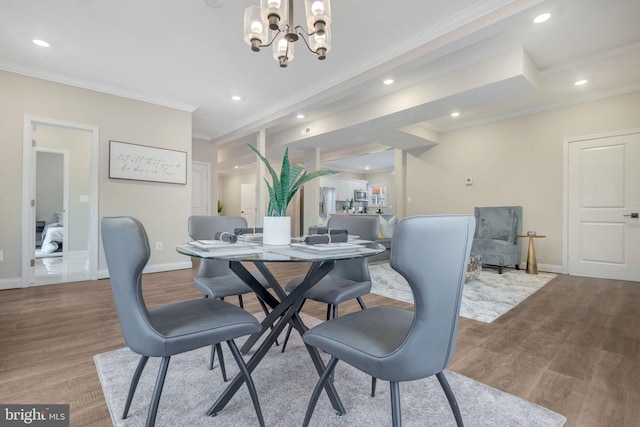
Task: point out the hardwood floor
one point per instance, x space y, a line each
573 347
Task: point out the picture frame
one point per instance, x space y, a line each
144 163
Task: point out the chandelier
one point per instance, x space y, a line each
271 16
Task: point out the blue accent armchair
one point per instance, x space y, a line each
496 235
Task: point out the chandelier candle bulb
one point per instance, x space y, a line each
255 32
318 16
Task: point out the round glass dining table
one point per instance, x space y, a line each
284 307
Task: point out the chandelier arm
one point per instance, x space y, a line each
272 40
301 32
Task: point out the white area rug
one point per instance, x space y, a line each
484 299
284 382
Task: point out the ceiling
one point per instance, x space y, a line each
484 59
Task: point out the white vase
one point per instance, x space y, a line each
276 230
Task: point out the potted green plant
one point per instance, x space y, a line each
220 206
277 225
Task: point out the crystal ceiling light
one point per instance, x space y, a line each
271 17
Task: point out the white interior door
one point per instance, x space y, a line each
248 203
604 201
200 200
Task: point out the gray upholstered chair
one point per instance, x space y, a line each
496 235
170 329
214 278
349 279
431 253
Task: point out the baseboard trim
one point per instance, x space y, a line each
155 268
549 268
10 283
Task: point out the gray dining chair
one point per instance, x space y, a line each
431 253
214 278
170 329
349 279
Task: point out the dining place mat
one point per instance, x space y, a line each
218 244
333 248
303 254
230 250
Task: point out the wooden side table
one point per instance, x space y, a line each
532 264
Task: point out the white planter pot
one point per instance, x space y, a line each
276 230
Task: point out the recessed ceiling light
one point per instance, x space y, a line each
388 81
581 82
541 18
235 167
455 114
300 116
236 98
40 43
366 167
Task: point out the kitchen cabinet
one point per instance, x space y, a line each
344 186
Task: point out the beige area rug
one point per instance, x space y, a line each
484 299
284 382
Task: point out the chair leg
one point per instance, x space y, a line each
240 302
396 417
247 379
218 348
328 311
212 358
318 389
450 397
362 306
134 384
157 391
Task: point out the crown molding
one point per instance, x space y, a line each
542 108
86 84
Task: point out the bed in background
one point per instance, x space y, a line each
52 237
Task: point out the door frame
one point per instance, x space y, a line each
565 185
28 211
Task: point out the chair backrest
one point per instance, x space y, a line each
204 228
126 248
364 226
431 253
499 223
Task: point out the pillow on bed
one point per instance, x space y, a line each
60 217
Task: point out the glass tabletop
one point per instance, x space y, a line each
295 252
